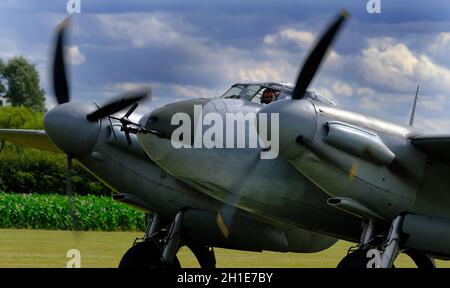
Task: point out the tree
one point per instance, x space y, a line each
2 82
22 81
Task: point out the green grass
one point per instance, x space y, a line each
45 248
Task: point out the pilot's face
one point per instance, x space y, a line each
268 96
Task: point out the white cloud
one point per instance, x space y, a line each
303 39
369 103
365 92
191 91
266 71
394 66
441 44
75 56
128 86
342 89
154 29
436 104
325 92
433 124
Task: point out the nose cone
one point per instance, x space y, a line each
297 124
160 120
69 129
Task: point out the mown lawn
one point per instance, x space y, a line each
42 248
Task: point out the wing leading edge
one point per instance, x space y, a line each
30 138
433 145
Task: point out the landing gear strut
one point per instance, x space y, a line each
372 252
147 252
160 244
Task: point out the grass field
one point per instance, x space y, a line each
40 248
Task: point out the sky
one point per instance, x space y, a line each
185 49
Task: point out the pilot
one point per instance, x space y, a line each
268 96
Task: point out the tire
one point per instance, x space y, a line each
145 255
356 260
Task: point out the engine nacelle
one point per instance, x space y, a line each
248 234
359 142
430 234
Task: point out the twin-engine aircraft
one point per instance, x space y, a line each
296 175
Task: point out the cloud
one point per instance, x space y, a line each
369 103
113 89
153 29
441 44
75 56
433 124
302 39
393 66
191 49
342 89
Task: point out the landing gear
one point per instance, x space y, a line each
205 255
160 244
378 251
356 259
145 254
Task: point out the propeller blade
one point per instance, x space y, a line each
118 104
316 56
135 105
225 215
69 193
60 83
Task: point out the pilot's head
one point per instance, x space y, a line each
268 96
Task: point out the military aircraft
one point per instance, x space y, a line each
340 175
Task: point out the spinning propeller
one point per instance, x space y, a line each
304 78
312 63
62 94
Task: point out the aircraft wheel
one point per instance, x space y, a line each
357 259
146 254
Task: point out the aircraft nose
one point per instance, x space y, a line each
68 128
161 119
296 127
158 145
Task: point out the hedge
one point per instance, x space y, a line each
21 118
52 212
25 170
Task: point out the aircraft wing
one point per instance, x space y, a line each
30 138
433 145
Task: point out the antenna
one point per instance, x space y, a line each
413 112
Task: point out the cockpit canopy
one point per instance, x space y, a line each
254 90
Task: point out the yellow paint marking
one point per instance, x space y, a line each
352 172
223 228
